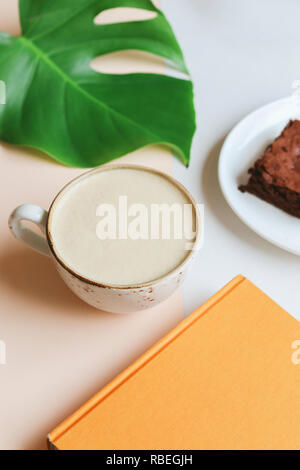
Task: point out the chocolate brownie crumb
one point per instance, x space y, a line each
275 177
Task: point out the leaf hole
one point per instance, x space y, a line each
135 61
9 18
128 61
122 15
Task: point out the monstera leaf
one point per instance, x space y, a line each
57 103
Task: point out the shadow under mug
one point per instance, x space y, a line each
109 298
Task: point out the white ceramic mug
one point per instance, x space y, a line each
120 299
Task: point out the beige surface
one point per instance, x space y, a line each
59 350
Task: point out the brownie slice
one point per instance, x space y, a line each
275 177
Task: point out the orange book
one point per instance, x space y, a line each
228 377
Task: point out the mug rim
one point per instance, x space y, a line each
112 167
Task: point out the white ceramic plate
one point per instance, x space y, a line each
245 143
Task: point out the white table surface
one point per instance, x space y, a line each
241 55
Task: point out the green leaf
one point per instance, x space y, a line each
57 103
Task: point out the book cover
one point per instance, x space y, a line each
228 377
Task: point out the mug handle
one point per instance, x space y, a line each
30 213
